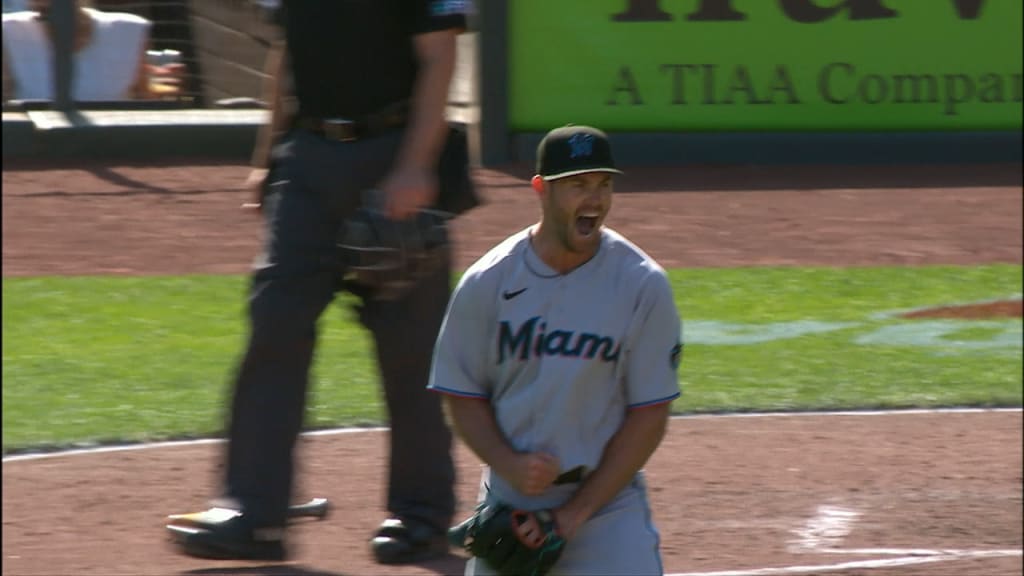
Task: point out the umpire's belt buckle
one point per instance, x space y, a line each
340 129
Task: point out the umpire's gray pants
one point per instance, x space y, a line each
315 185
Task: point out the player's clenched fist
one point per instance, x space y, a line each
534 472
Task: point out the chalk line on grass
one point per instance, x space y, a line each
333 431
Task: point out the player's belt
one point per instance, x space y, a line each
572 476
352 129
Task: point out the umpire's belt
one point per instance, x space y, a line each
352 129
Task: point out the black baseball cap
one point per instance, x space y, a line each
572 150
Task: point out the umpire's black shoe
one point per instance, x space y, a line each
406 541
218 534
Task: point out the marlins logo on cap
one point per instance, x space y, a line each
572 150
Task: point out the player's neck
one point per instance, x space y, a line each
552 251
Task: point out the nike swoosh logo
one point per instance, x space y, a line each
510 295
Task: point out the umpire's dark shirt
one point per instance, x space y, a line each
353 57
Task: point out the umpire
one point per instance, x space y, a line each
370 87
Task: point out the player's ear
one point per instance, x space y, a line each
538 184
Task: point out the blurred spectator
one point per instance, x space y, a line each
110 60
172 29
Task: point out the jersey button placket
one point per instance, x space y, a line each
556 301
551 309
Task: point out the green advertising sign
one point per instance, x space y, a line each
779 65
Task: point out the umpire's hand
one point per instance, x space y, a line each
256 183
407 190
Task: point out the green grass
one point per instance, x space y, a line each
830 370
114 359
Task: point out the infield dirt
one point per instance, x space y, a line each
727 493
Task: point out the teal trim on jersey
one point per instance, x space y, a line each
460 393
664 400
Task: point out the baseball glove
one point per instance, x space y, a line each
385 259
500 536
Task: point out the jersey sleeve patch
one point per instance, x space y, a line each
676 356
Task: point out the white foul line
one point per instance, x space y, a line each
884 563
333 431
908 552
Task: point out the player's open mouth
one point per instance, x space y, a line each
585 225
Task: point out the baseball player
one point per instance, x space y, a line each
557 362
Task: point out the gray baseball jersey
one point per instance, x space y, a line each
561 357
